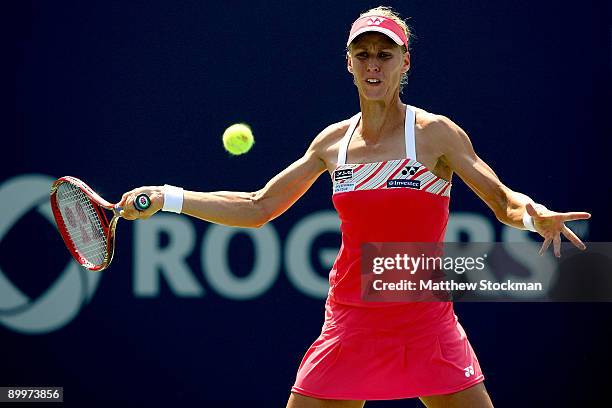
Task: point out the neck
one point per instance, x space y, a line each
379 117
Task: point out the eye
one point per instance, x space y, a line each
361 55
384 55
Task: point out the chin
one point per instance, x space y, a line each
374 96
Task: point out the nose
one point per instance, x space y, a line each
373 66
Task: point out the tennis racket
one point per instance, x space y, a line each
80 215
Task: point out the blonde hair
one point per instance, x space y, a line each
393 15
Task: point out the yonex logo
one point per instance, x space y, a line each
469 371
375 21
75 286
410 170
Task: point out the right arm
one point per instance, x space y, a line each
254 209
243 209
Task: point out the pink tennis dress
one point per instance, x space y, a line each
378 350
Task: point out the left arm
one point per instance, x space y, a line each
508 206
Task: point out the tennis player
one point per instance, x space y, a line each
377 350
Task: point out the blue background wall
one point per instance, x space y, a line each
148 87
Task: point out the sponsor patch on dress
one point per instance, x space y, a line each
399 183
343 174
343 187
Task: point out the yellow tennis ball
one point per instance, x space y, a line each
238 139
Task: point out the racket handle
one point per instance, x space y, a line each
142 202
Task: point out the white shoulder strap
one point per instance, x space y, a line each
346 139
409 133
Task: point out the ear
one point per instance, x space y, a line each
349 63
406 65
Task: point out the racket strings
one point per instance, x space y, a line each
82 223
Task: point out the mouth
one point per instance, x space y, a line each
373 81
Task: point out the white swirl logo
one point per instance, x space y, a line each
59 304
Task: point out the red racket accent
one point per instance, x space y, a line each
82 222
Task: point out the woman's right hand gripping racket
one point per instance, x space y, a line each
80 215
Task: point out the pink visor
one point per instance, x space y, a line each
378 24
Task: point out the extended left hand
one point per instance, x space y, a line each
550 225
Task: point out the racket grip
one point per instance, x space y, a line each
142 202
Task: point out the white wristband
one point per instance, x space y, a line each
173 199
528 219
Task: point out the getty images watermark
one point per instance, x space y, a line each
509 271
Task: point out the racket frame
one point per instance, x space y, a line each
98 203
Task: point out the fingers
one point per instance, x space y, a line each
124 198
573 238
545 245
129 211
551 226
530 209
557 245
556 241
132 193
571 216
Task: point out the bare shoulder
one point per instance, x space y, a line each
434 124
440 129
325 145
330 135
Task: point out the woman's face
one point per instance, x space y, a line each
377 65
